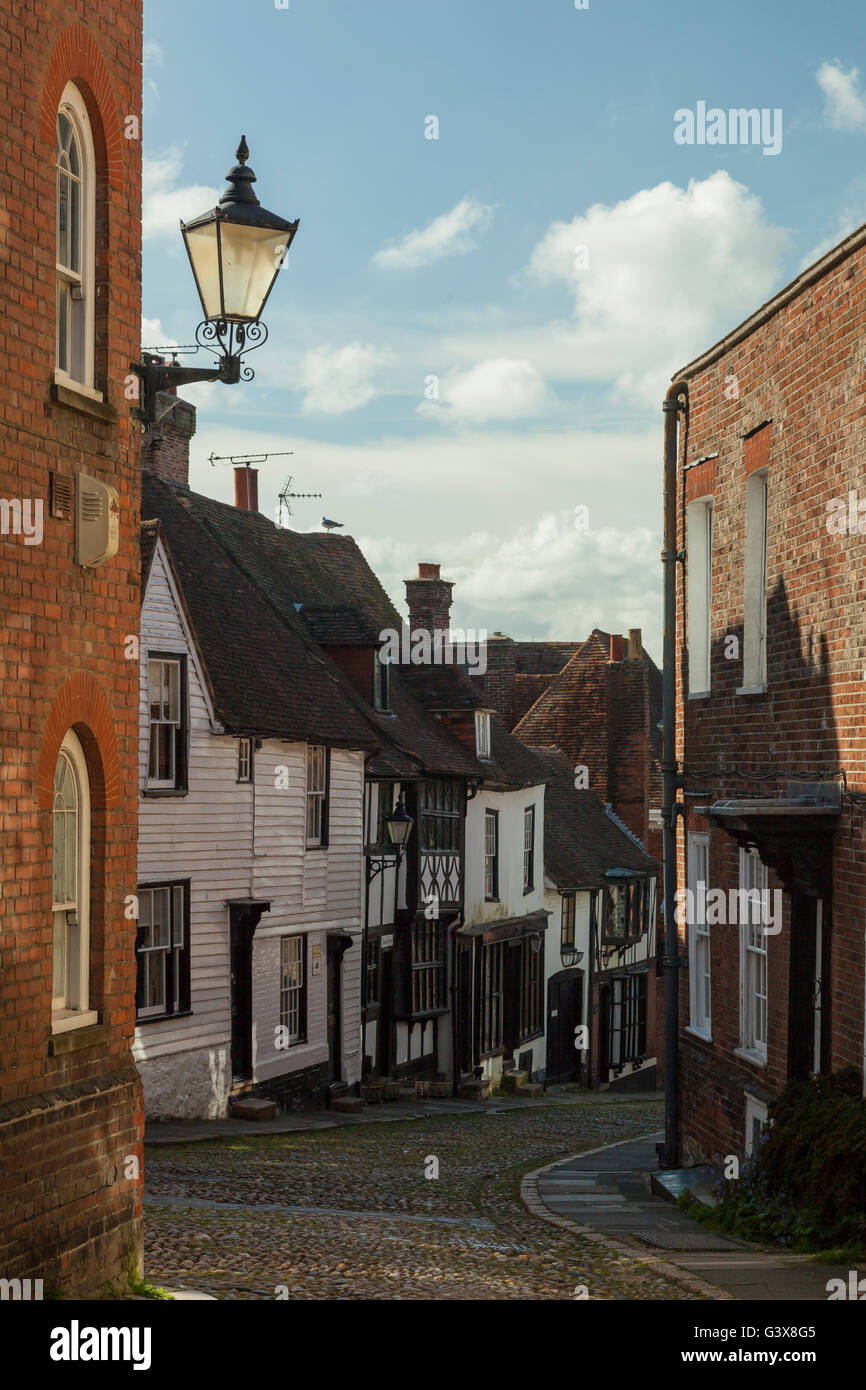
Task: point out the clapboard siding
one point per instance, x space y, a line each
238 840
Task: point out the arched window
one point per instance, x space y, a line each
76 242
71 888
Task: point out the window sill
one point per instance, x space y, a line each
530 1037
696 1033
76 397
489 899
699 694
751 690
162 1018
77 1032
755 1058
165 791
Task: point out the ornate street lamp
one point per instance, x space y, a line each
399 824
235 251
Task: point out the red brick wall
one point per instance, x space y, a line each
69 1119
802 371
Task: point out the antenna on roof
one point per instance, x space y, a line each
247 459
284 499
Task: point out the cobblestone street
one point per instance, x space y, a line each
349 1213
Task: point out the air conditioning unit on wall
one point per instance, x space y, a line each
97 521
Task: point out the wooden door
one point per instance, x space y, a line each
564 1001
241 967
335 1009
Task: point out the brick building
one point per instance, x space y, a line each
70 1098
770 667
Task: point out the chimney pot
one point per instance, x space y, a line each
427 571
246 488
616 646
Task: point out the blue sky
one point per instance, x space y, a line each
555 132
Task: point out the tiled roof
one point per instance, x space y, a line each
239 561
581 841
267 677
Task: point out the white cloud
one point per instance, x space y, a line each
338 380
500 388
164 204
844 106
452 233
545 579
668 269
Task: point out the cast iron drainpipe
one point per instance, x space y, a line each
676 399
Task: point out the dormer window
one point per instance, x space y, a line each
381 681
482 733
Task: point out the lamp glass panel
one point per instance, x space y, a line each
251 258
202 245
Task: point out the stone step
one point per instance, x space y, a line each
347 1105
514 1080
253 1108
474 1089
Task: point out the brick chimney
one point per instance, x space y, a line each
166 450
429 599
635 644
246 488
615 646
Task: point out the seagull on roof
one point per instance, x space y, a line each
330 525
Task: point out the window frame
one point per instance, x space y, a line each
754 964
528 849
491 998
628 1038
71 1008
482 734
381 683
428 958
177 959
300 990
178 785
699 594
491 858
246 755
319 793
566 919
530 1008
699 938
72 106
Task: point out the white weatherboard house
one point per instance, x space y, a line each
600 892
502 940
250 834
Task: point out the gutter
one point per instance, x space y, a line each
675 400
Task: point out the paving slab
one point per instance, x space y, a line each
581 1189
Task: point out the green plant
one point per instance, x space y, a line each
804 1187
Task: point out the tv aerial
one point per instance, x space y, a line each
248 460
